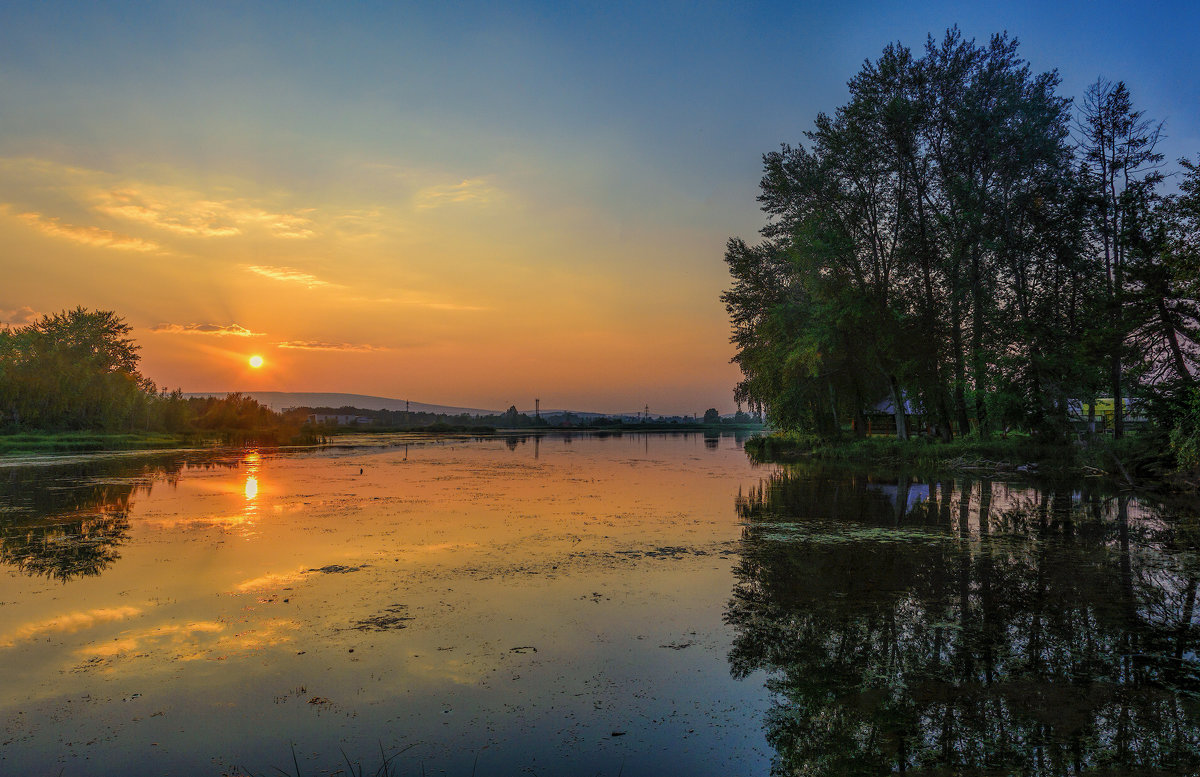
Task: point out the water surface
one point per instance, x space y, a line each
633 604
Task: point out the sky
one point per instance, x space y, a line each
455 203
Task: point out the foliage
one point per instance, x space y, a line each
72 370
940 244
1185 436
77 371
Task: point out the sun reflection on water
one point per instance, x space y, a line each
251 462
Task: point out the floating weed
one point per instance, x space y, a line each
799 532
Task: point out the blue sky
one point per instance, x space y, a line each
558 178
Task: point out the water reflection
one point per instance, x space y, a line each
251 461
68 521
967 626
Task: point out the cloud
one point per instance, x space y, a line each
288 275
185 212
420 301
233 330
91 236
472 190
202 221
319 345
433 305
19 317
178 210
69 622
188 213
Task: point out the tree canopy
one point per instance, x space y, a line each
958 243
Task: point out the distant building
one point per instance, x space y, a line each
881 417
338 419
1104 412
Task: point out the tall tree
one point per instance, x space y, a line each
1121 168
76 369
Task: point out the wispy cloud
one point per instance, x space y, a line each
320 345
19 317
190 213
230 330
288 275
420 301
203 212
87 235
472 190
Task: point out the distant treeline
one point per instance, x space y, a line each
961 239
349 416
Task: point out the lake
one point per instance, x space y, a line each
636 604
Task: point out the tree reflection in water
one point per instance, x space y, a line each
970 626
68 521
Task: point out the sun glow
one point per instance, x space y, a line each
256 361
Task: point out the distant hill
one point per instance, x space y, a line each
281 400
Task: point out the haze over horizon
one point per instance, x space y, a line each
462 205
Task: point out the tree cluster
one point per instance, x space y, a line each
960 242
72 370
78 370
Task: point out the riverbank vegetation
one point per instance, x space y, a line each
70 381
960 251
1131 460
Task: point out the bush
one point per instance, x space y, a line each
1185 435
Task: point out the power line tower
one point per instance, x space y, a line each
647 412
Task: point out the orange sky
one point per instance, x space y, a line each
404 282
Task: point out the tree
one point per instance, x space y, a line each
1120 169
711 416
75 370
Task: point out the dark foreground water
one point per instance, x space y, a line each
634 605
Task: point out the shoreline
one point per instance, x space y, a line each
36 443
1129 462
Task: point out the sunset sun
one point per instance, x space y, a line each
256 361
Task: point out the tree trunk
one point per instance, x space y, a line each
1118 400
1173 340
837 424
960 370
977 362
898 409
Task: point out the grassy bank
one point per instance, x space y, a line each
90 442
1126 459
96 442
